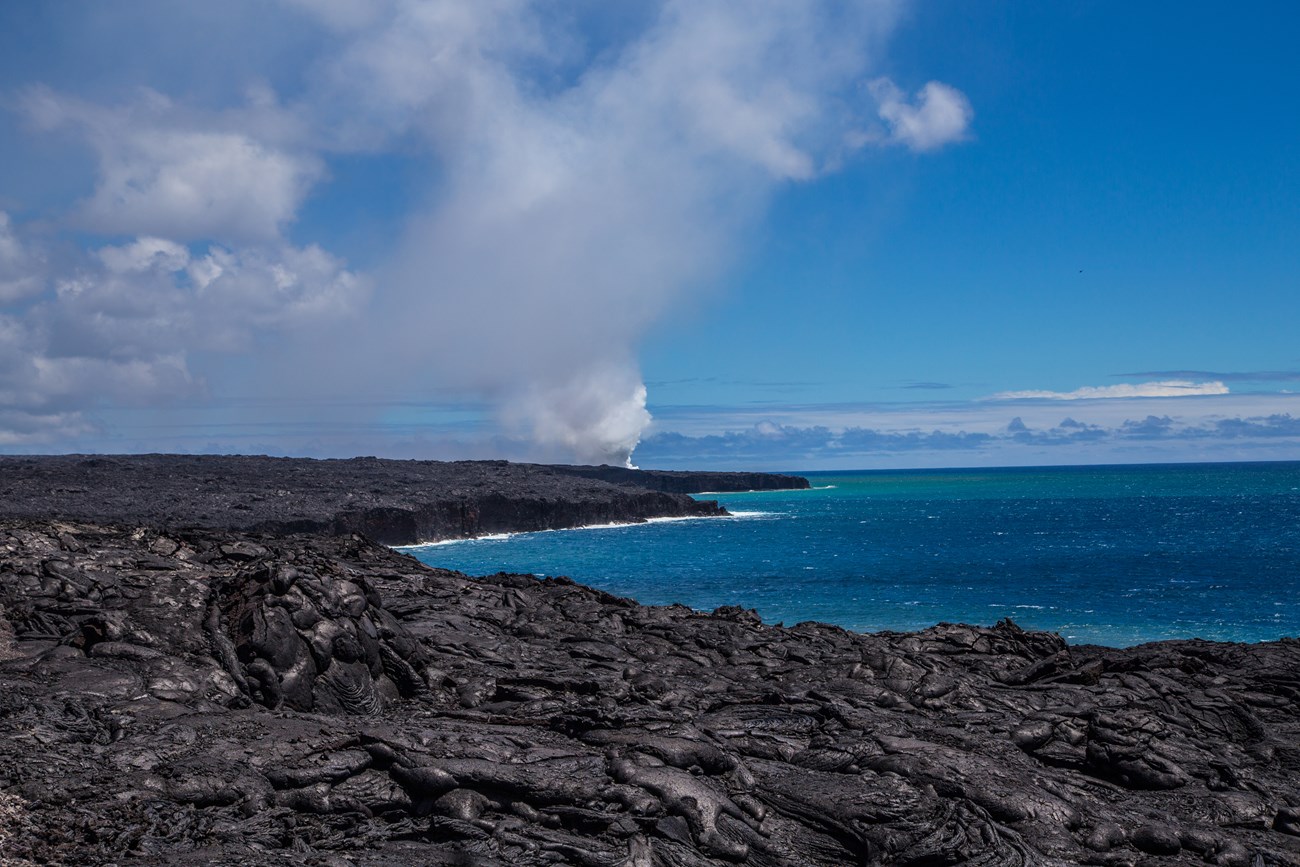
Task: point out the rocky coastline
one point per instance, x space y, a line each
391 502
183 681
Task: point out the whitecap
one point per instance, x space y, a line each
615 525
490 537
760 491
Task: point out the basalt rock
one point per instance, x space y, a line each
313 640
392 502
211 697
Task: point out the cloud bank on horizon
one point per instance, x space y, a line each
1017 431
581 191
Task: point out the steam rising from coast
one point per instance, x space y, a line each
583 202
593 169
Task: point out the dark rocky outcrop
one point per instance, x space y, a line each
200 696
394 502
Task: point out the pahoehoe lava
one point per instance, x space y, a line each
183 681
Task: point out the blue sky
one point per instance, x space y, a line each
770 235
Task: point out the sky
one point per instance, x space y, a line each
791 235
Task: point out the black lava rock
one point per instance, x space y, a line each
207 696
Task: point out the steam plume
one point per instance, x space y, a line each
586 194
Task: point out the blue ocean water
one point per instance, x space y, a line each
1108 555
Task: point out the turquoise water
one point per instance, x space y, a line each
1108 555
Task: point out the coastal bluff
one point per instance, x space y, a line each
394 502
190 693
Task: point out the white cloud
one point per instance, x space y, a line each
197 185
939 115
216 300
36 384
1163 388
122 323
121 327
287 289
144 254
19 428
78 381
169 172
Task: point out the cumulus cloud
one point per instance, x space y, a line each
937 115
1151 427
1163 388
120 326
1275 425
286 289
1068 432
167 171
143 255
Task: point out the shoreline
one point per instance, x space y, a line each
617 525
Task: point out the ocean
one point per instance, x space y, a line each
1115 555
